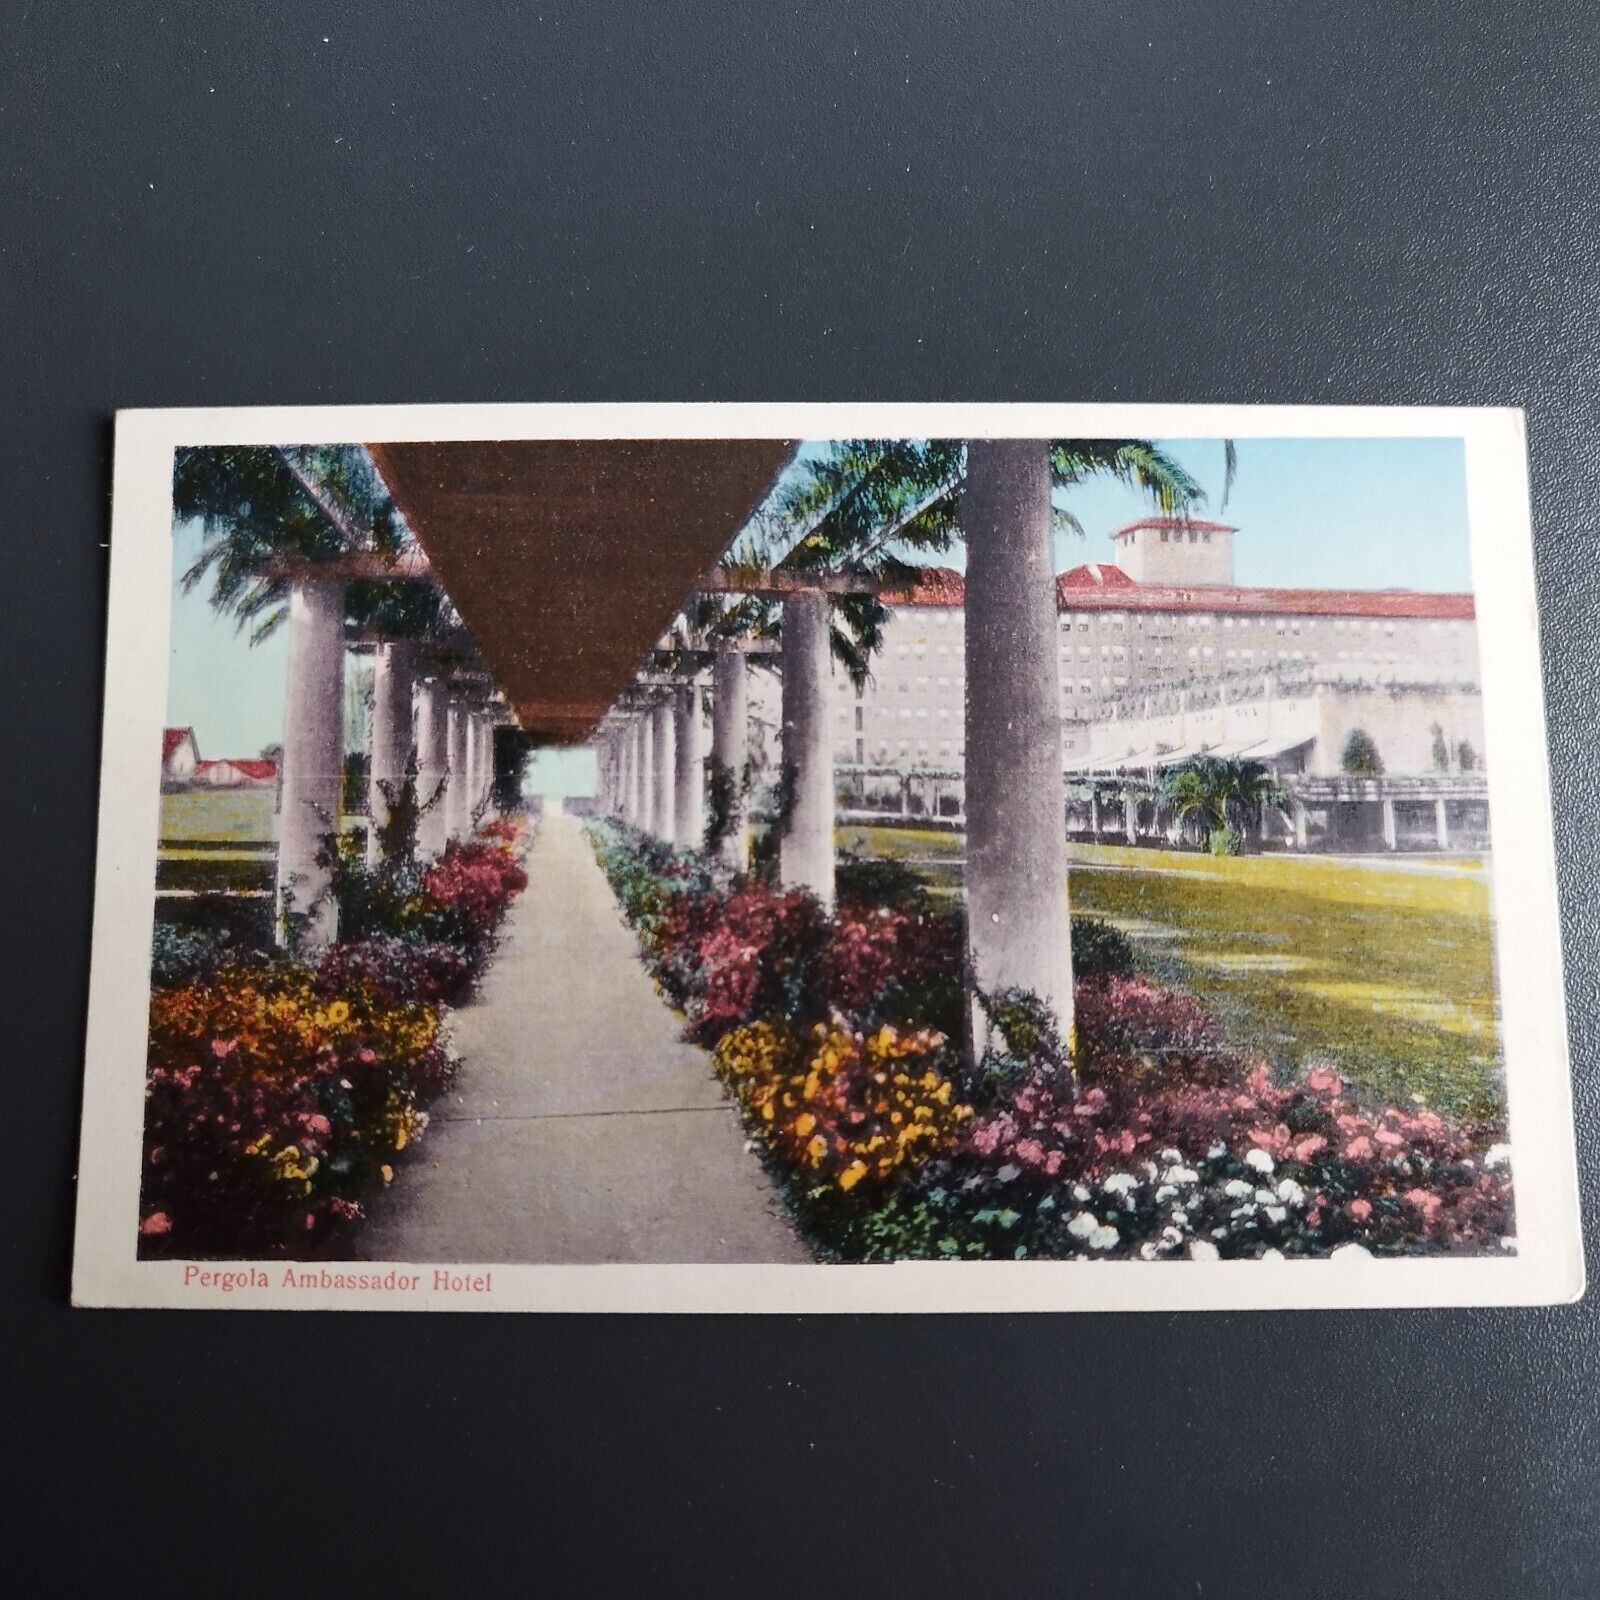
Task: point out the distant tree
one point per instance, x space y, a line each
1466 757
1226 798
1360 758
1441 751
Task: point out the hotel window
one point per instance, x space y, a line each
1085 687
1070 687
1083 626
1227 622
1163 536
1281 626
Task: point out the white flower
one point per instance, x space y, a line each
1276 1213
1079 1193
1271 1255
1165 1192
1202 1250
1236 1189
1083 1225
1120 1183
1149 1170
1172 1158
1351 1248
1008 1172
1182 1175
1217 1151
1265 1197
1148 1251
1290 1192
1497 1155
1104 1237
1508 1244
1171 1237
1259 1159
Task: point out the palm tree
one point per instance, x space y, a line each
261 506
871 506
1226 796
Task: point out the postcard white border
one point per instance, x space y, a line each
1547 1267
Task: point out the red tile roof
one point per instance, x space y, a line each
935 586
1093 575
171 738
1230 599
1113 590
247 766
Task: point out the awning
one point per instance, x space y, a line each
568 558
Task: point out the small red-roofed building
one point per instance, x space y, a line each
180 755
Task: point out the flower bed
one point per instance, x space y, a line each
279 1094
834 1034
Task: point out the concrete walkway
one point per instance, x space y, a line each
582 1127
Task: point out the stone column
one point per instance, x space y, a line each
643 778
805 859
1391 837
1302 826
393 735
457 797
313 755
1017 926
1441 822
1130 817
688 801
478 760
730 745
433 765
663 771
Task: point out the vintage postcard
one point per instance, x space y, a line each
824 858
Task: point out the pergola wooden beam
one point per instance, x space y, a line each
567 559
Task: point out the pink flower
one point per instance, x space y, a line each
1388 1138
1358 1149
1309 1146
156 1222
222 1048
1424 1200
1030 1152
1324 1080
317 1123
1360 1210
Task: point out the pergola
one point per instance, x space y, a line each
567 561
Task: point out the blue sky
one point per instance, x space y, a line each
1311 513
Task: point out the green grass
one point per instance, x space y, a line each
1388 971
217 816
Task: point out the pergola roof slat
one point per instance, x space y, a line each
567 559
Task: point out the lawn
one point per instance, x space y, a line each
216 817
1387 971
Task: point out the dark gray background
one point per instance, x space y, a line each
216 205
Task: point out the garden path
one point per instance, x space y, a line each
582 1128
